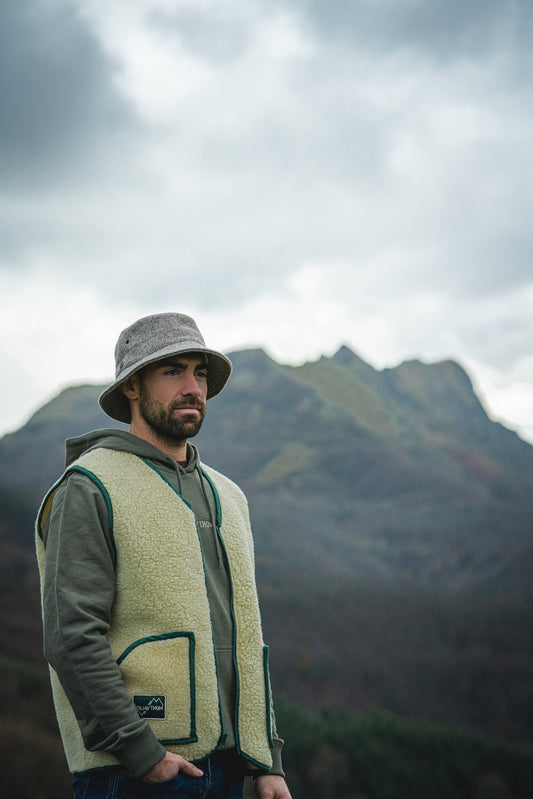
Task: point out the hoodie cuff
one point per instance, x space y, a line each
139 754
277 767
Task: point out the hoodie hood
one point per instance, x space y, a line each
124 442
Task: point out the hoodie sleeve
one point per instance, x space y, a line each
78 595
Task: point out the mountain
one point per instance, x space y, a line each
393 528
395 473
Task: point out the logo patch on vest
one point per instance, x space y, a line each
150 707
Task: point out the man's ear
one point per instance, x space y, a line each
130 387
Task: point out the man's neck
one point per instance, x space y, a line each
177 450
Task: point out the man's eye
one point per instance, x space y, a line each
202 373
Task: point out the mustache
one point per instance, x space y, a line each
189 402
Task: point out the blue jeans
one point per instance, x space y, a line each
222 779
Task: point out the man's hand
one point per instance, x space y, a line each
271 786
169 766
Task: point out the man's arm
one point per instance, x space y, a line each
78 595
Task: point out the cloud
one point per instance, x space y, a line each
57 99
297 173
442 30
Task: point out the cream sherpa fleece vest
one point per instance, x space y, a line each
160 632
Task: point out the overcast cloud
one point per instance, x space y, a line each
296 174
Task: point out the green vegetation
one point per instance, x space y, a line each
331 754
392 522
32 764
337 385
375 755
460 659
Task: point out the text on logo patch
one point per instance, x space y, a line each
150 707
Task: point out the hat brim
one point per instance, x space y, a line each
116 405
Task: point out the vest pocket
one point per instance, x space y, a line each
159 674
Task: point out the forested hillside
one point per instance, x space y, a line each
393 525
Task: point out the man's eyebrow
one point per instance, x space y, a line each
177 361
170 362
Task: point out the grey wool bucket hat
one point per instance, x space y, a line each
149 340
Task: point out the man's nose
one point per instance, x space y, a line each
190 385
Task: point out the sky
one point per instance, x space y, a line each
294 174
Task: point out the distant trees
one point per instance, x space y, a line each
458 659
339 754
32 764
392 524
332 754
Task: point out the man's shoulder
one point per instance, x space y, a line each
85 472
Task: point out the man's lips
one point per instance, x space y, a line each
188 408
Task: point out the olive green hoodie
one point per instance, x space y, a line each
78 593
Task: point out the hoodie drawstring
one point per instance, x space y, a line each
180 485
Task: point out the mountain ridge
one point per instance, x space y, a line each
392 526
399 469
413 408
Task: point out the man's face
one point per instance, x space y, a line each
172 397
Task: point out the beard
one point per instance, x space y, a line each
160 418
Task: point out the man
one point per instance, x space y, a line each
150 613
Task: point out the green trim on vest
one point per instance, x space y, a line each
153 639
215 494
266 668
217 522
242 706
46 505
162 476
160 631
